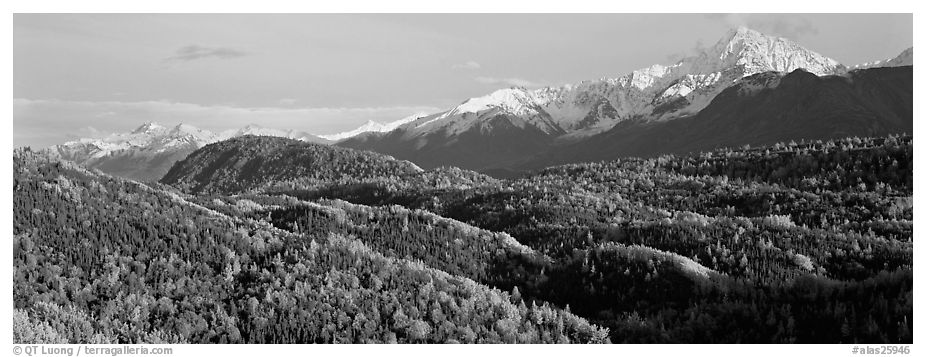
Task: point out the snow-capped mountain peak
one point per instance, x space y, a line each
151 136
646 77
189 130
373 126
655 93
150 128
515 100
250 129
744 52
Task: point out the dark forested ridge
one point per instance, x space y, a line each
798 242
249 162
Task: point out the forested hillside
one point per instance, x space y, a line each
101 259
249 162
800 242
794 242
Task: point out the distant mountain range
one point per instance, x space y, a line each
655 93
748 88
515 128
146 153
761 110
905 58
373 127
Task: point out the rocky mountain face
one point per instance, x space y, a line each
510 124
146 153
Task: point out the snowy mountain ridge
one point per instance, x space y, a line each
372 126
150 149
654 93
905 58
154 137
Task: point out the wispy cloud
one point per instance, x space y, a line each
792 26
695 50
196 52
86 132
42 123
469 65
517 82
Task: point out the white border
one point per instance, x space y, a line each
474 6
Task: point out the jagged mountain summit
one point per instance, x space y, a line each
372 126
655 93
147 152
505 126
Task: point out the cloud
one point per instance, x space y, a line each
792 26
695 50
517 82
469 65
196 52
287 101
86 132
41 122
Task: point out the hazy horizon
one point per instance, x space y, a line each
89 75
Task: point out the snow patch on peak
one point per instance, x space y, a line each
187 129
646 77
905 58
742 33
149 127
373 126
752 52
257 130
515 100
689 83
251 129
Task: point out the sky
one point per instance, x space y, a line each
89 75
